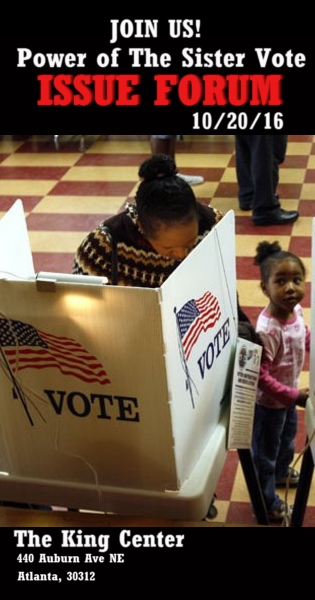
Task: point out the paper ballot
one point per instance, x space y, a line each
243 396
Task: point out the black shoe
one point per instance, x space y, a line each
245 206
282 217
280 512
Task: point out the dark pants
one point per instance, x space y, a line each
273 447
257 167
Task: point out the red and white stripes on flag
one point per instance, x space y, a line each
195 317
28 348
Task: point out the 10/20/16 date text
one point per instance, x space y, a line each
233 121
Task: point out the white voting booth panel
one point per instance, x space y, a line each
310 407
16 259
112 398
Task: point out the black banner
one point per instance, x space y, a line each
70 555
156 73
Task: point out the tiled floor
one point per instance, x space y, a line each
66 192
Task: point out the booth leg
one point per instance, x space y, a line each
253 486
303 489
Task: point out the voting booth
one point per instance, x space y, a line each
310 408
308 460
115 399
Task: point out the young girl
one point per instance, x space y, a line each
285 337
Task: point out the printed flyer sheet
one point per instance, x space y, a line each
243 397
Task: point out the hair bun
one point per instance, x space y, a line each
266 249
157 167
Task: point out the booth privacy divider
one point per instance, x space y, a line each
113 398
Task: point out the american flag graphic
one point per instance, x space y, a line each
195 317
28 348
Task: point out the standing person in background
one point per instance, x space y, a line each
284 337
257 167
165 144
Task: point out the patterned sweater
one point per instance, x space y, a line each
138 264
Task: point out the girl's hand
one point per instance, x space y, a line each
303 397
